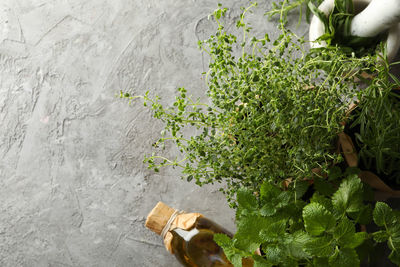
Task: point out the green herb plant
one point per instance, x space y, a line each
283 8
274 110
376 125
322 230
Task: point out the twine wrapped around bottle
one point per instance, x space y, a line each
162 219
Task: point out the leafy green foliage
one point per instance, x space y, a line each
260 124
377 125
273 115
317 219
284 7
319 232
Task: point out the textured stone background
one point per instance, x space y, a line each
73 189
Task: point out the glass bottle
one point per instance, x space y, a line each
191 237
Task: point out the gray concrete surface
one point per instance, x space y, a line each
73 189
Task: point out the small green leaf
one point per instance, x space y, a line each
356 240
296 243
223 240
317 219
382 214
344 229
259 261
345 258
274 231
318 198
268 191
268 210
273 253
246 199
348 198
321 246
247 237
380 236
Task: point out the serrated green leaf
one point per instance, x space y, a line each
356 240
246 199
348 198
273 253
345 257
247 237
318 198
259 261
268 191
223 240
273 231
283 199
364 216
321 246
295 244
382 214
317 219
344 229
227 244
267 210
380 236
236 260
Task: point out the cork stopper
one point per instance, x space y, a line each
158 217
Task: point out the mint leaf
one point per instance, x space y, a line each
380 236
236 260
344 229
268 191
317 219
223 240
227 244
356 240
268 210
318 198
344 258
260 261
348 198
247 237
364 216
246 199
321 246
273 253
274 231
295 244
383 215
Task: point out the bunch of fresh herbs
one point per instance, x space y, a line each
272 118
275 110
376 125
322 230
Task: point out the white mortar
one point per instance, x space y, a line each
317 28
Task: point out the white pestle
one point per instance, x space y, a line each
376 18
372 17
